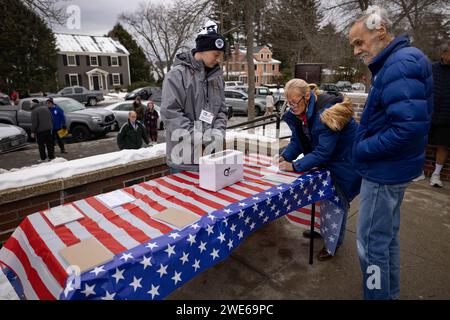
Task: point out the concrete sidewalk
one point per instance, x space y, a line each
273 262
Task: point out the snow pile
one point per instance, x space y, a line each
42 164
64 169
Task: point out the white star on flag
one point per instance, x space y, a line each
151 245
98 270
221 237
118 275
225 221
210 216
146 262
108 296
247 220
196 265
242 204
241 214
321 193
233 228
230 244
177 277
126 256
195 226
241 234
228 211
191 239
214 254
88 290
170 250
268 201
174 235
252 226
202 246
184 258
136 283
154 291
255 208
162 270
209 229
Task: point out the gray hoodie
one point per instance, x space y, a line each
187 90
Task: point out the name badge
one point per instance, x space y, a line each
206 116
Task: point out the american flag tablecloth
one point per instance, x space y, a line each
151 259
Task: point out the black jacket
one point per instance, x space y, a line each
41 119
441 79
129 138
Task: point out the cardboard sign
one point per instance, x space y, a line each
175 218
86 254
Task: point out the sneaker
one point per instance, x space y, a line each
435 181
419 178
324 255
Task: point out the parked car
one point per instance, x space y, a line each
81 94
4 99
121 110
358 87
239 101
344 85
146 93
81 122
260 91
233 83
12 138
330 88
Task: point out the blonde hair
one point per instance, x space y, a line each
337 117
300 87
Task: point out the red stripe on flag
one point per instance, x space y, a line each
152 203
64 233
215 194
302 221
32 275
173 199
112 217
100 234
42 250
308 211
190 194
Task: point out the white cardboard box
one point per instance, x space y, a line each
221 169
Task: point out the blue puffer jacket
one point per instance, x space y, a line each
393 131
59 120
323 147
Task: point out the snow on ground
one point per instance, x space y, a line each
64 169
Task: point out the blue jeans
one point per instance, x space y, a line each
377 239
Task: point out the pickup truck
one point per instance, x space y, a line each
81 94
81 122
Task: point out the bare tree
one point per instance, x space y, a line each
50 10
165 29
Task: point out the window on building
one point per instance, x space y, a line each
114 61
267 56
273 67
73 80
94 61
256 67
262 56
264 68
116 79
71 61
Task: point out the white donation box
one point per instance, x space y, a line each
221 169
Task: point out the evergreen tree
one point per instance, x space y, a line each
28 55
139 65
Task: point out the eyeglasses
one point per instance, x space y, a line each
293 105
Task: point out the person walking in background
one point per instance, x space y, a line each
132 133
440 122
151 122
139 108
59 122
388 150
269 104
41 130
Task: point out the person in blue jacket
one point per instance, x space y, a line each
59 122
322 128
388 150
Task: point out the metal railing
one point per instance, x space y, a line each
247 125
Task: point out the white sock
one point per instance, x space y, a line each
438 169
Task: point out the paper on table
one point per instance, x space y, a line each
63 214
279 178
115 198
175 218
86 254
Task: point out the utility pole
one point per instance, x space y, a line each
250 28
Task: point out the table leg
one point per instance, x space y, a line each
311 240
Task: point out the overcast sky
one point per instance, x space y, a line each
99 16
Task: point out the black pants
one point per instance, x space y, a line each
45 139
58 139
